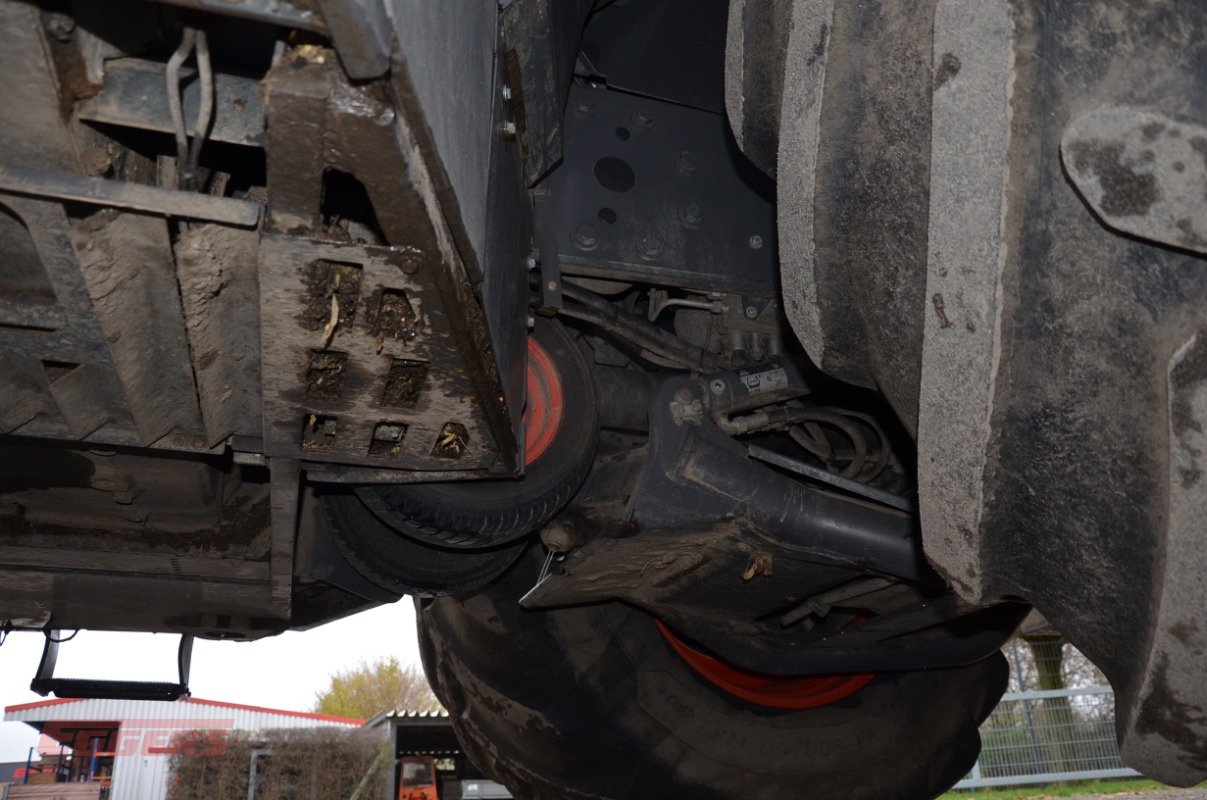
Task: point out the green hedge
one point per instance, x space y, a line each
300 764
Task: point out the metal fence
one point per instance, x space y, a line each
1047 737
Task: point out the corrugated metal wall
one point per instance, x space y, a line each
139 772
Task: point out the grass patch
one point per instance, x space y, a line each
1057 790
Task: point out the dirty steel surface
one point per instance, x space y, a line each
651 191
388 360
1033 313
410 302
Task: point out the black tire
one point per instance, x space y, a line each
591 702
402 565
490 513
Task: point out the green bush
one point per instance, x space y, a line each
298 764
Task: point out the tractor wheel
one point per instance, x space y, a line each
598 702
561 426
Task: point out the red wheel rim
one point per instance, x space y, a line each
546 403
774 691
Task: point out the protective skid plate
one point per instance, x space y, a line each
359 362
656 192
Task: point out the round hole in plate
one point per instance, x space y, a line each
622 133
607 216
614 174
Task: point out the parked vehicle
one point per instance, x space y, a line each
418 778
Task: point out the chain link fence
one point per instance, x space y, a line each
1053 735
1047 737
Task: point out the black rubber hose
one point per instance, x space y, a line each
645 335
782 417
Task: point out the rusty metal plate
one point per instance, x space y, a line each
360 365
1142 173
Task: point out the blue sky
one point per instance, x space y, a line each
278 672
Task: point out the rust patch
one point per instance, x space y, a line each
325 375
1125 192
823 39
326 279
1184 632
949 67
941 311
1152 130
404 383
390 315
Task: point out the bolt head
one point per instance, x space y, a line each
751 312
717 386
756 242
649 246
96 161
506 92
585 236
509 129
558 537
60 26
642 119
687 162
551 286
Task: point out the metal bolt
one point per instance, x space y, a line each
717 386
687 162
559 537
697 406
551 286
585 236
506 92
509 129
60 26
756 242
649 246
751 312
531 262
95 161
